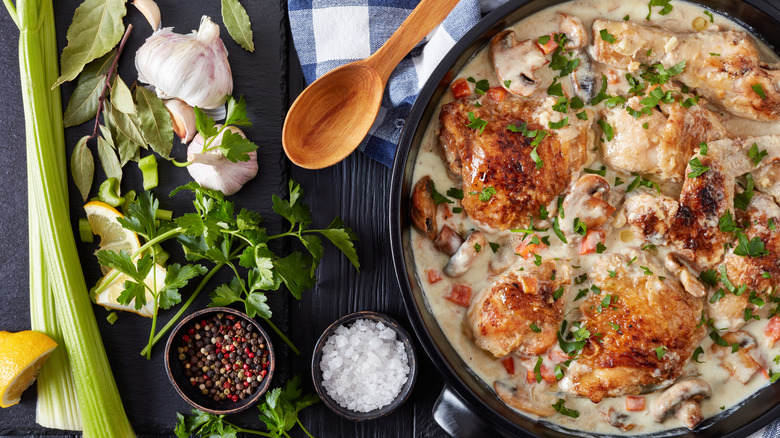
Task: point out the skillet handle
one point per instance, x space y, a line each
457 418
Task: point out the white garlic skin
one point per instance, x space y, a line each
213 171
193 67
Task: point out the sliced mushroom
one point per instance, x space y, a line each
468 252
448 241
617 419
587 201
682 398
424 208
515 62
584 78
745 362
689 281
576 34
519 397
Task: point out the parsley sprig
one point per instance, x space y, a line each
279 411
218 234
231 145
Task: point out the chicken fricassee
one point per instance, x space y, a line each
597 211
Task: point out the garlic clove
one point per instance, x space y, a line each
193 67
213 171
183 118
151 11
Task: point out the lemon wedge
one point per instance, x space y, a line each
109 296
103 222
22 355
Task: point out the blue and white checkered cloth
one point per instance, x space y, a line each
331 33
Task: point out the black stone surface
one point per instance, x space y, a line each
356 190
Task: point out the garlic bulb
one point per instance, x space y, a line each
213 171
193 67
183 118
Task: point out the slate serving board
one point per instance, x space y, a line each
356 190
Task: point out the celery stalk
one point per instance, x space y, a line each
102 412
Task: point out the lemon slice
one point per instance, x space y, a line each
103 222
109 296
21 357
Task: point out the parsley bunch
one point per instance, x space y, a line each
232 145
218 234
279 412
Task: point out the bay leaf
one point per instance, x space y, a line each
108 159
237 23
82 167
96 28
127 149
84 101
155 121
121 98
126 125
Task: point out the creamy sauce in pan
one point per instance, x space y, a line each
727 392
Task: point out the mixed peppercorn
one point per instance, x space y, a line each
226 359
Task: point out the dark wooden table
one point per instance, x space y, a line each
357 190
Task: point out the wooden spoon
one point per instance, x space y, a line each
333 114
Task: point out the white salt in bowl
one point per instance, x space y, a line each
348 321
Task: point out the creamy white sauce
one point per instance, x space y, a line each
727 392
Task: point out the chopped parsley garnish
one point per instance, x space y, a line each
596 290
646 271
538 370
741 200
602 171
606 36
562 105
665 4
614 101
773 378
558 293
755 299
535 328
660 352
457 210
714 54
618 181
655 97
452 192
558 125
696 353
657 74
494 247
689 102
600 248
648 247
576 103
480 86
507 83
626 18
537 160
543 213
477 247
614 326
720 293
544 39
437 197
607 128
538 135
581 294
563 410
766 275
709 277
580 227
726 223
645 125
709 14
636 86
582 115
612 274
631 261
759 90
557 229
749 248
485 194
476 123
749 315
560 208
697 168
639 181
537 260
555 88
771 223
703 148
755 155
602 94
558 372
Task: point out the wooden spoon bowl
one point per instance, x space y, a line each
333 115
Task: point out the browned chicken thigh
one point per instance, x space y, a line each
505 175
642 329
500 317
724 67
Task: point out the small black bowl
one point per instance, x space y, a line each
406 389
175 369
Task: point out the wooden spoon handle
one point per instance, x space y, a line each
427 15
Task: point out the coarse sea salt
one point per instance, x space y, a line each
363 366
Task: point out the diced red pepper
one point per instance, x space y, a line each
509 364
772 330
526 248
591 241
635 403
434 276
496 94
460 294
549 46
460 88
547 372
